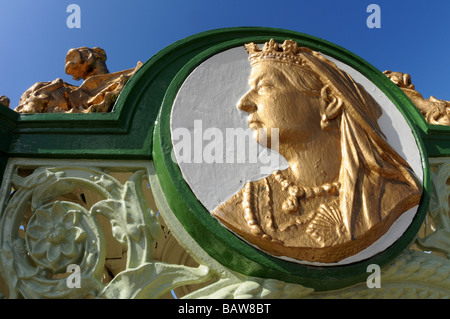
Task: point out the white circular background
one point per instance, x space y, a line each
210 94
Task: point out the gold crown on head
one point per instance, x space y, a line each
288 52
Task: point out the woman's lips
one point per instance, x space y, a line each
254 124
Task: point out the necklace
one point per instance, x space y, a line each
291 204
249 204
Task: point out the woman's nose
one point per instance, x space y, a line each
247 103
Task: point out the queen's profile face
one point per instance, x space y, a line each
278 100
273 101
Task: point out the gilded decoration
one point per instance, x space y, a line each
4 100
97 93
435 111
345 185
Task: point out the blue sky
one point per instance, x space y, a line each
413 38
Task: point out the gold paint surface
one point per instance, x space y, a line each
97 93
345 186
435 111
4 100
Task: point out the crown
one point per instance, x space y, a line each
289 52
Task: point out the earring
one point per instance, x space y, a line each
325 123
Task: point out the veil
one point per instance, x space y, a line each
371 168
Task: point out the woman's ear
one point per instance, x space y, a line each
332 109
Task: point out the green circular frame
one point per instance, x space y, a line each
215 239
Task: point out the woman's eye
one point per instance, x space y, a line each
262 88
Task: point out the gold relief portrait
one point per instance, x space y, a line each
345 185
